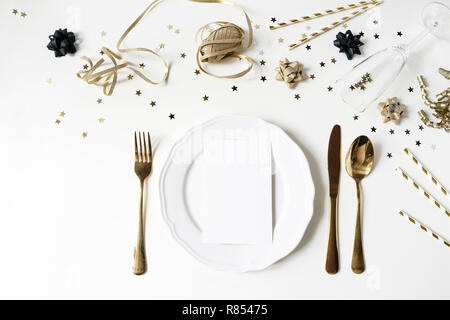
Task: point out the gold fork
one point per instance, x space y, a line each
143 168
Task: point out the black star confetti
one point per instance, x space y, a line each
322 64
171 116
375 22
262 62
99 101
263 78
197 72
312 76
138 92
418 143
361 34
15 11
308 47
389 155
355 117
407 131
153 103
399 33
330 88
234 88
376 36
373 129
297 96
183 55
273 19
333 60
392 131
421 127
410 89
205 98
352 87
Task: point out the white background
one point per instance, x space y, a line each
68 205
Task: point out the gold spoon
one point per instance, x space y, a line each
358 163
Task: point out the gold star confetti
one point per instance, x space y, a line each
161 45
57 121
333 60
197 72
297 96
256 26
23 14
142 65
330 88
49 80
170 27
84 134
138 92
345 26
205 98
130 77
433 146
280 40
62 114
15 11
177 31
304 35
103 33
101 120
153 103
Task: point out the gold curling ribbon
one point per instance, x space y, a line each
223 42
107 78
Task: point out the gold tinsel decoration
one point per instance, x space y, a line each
441 107
223 41
290 72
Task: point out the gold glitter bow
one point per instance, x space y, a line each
107 78
290 72
223 42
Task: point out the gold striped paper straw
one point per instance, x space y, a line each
323 14
425 171
419 188
332 26
425 228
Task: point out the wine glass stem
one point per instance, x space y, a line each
417 39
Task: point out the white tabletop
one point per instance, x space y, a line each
69 205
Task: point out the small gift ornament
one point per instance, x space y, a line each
290 72
392 110
348 43
62 42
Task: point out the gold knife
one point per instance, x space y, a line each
334 170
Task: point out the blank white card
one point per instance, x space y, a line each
237 188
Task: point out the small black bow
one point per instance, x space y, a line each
348 43
62 42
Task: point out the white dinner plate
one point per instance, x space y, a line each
292 197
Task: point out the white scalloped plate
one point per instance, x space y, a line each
293 196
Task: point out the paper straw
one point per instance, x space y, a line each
322 14
425 228
419 188
332 26
425 171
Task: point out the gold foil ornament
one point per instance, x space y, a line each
441 107
392 110
290 72
220 40
445 73
108 77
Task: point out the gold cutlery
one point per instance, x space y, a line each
334 170
358 163
142 167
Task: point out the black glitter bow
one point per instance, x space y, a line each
62 42
348 43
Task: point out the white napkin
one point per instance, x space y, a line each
237 188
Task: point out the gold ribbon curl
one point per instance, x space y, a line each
223 42
107 78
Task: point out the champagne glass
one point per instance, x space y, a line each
371 77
